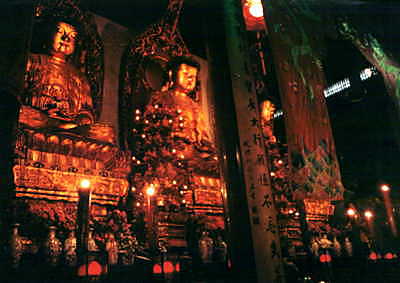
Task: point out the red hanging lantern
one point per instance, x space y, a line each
373 256
325 258
168 267
178 267
389 256
253 14
93 269
157 269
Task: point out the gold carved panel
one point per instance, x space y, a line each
32 182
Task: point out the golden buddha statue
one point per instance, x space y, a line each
188 134
57 95
178 94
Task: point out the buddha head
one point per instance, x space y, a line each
186 77
183 72
64 39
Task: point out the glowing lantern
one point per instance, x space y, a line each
389 256
93 269
253 14
178 267
256 9
325 258
373 256
168 267
157 269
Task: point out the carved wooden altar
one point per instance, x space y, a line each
50 166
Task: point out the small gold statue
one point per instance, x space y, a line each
57 94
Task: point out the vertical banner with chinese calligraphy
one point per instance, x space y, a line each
293 33
260 203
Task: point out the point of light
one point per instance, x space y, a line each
84 184
367 73
351 212
385 188
151 190
368 214
256 9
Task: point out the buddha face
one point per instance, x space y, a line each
64 39
186 77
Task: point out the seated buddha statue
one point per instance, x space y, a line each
170 132
178 95
57 95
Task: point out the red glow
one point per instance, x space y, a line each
325 258
178 267
373 256
94 269
253 14
389 256
157 269
168 267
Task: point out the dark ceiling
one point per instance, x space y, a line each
137 15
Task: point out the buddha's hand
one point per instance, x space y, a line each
32 117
